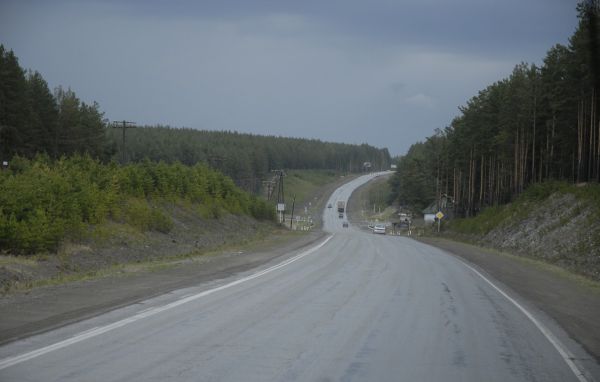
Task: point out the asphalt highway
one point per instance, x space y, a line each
356 307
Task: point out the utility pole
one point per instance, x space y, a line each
269 185
292 217
123 125
280 195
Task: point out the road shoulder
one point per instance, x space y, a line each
574 303
24 314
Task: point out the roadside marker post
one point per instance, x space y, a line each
439 216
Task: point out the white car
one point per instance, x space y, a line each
379 228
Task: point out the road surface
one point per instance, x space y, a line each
357 307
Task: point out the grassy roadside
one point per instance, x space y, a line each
312 189
305 186
588 197
370 202
261 241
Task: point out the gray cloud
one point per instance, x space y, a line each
385 72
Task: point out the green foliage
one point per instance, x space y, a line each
484 222
303 184
42 201
412 185
245 158
379 195
540 124
33 120
541 191
495 216
142 215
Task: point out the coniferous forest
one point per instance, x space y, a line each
246 158
541 123
35 120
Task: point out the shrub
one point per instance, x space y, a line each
44 201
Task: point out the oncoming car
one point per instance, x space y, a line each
329 205
379 228
345 224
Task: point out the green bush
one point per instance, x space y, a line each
43 201
541 191
140 214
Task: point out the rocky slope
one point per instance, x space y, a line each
557 223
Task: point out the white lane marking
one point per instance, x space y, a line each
562 350
10 361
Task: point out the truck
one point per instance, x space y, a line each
341 205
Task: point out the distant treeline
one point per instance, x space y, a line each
246 158
35 120
541 123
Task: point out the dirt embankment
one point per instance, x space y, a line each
112 245
562 229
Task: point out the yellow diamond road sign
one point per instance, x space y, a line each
439 215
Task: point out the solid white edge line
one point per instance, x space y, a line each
11 361
560 348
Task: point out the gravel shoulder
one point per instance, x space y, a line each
41 309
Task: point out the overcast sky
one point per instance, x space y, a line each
382 72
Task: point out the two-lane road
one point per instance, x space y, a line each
359 307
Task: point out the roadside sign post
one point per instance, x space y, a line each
280 211
439 217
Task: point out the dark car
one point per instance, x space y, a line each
345 224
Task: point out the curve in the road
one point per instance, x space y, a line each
357 307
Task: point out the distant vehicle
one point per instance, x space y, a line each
341 215
329 205
379 228
345 224
341 205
